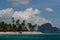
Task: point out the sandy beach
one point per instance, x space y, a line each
20 33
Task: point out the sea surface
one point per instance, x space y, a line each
45 36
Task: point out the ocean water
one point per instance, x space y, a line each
46 36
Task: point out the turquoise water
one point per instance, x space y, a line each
50 36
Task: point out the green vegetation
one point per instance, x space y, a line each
16 26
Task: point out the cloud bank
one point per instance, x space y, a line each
29 15
6 14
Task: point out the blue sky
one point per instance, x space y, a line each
53 16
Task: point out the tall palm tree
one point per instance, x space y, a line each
23 23
13 20
14 27
17 22
24 28
30 26
10 27
20 27
33 27
3 26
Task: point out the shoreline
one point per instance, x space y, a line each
20 33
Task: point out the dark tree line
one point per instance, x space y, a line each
16 26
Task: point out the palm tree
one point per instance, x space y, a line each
13 20
10 28
30 26
34 27
20 27
23 23
24 26
3 26
17 22
14 27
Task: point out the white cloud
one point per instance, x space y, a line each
6 14
29 15
26 14
19 2
49 9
